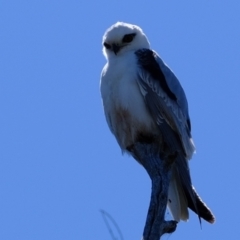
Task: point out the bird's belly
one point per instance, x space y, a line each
129 129
128 115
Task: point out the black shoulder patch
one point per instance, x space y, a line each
147 61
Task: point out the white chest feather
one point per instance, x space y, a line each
124 106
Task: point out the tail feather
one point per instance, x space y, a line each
182 195
177 201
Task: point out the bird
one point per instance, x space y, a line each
144 101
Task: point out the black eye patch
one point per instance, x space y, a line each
128 37
106 45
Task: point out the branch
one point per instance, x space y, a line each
159 170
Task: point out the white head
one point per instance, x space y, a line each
123 37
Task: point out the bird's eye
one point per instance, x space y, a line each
106 45
128 37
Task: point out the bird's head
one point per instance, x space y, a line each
123 37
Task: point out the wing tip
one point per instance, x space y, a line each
203 210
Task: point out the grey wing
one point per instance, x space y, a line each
164 96
167 104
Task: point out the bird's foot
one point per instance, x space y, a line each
169 227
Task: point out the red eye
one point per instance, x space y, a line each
106 45
128 38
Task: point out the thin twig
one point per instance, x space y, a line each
107 216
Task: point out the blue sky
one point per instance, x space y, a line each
59 164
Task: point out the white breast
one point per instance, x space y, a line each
124 106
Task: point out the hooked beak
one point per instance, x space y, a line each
115 48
